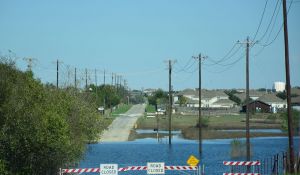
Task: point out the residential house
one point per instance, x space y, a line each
209 98
257 106
275 102
296 103
254 95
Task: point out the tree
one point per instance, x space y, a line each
182 100
232 97
159 97
295 116
42 128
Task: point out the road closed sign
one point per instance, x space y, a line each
109 169
155 168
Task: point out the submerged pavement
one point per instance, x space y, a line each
120 128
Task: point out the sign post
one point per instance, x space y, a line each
155 168
109 169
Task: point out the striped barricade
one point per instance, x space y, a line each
241 163
129 168
241 174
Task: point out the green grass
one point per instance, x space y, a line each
150 108
214 122
121 109
178 122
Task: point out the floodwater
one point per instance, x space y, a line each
141 151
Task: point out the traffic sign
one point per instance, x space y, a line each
109 169
192 161
155 168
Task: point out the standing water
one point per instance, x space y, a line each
139 152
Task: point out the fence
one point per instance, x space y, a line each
275 165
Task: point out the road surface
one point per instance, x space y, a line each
120 128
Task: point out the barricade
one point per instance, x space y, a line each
240 167
128 168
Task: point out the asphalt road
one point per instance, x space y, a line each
120 128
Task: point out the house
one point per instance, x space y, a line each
254 95
257 106
275 102
296 103
149 91
209 98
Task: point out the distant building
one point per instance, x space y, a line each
275 102
149 91
296 103
279 86
209 98
257 106
254 95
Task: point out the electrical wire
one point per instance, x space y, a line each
261 19
268 27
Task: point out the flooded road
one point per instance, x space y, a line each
141 151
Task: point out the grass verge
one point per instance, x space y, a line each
121 109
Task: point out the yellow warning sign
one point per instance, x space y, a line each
192 161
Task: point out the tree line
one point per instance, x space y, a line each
44 128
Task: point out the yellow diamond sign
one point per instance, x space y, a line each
192 161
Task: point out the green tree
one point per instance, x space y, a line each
159 97
231 94
42 128
295 118
182 100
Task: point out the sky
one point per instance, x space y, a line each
135 38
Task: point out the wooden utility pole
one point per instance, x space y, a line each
96 86
57 62
288 88
199 58
86 80
247 101
104 77
170 102
112 79
170 62
75 79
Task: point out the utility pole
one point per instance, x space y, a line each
112 79
57 62
247 101
199 58
170 101
30 62
86 80
288 89
248 149
96 86
115 79
104 77
75 79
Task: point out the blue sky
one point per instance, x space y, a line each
133 38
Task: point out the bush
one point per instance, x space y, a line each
42 128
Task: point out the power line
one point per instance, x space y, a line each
268 27
261 19
276 36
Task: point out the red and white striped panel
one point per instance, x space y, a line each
181 168
130 168
241 173
136 168
81 170
86 170
241 163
